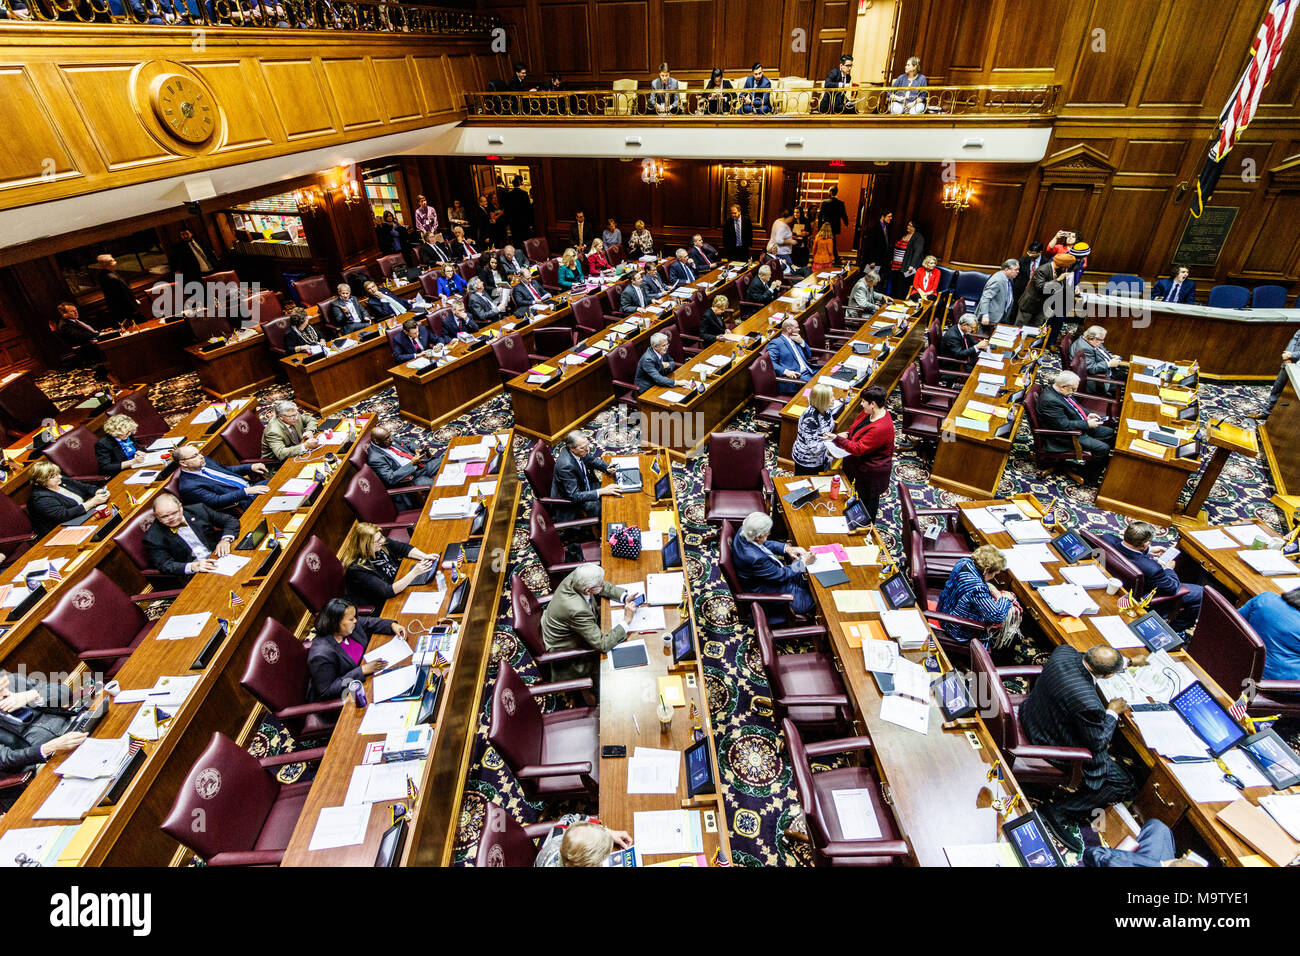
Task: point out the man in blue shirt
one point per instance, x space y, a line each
216 485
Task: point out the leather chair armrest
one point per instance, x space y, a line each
940 391
925 413
1271 687
576 523
838 745
1070 433
540 829
950 512
555 687
789 633
305 710
16 779
954 619
769 488
565 568
825 354
158 595
552 502
533 771
248 858
630 386
421 491
298 756
1033 752
866 848
552 657
543 598
756 596
105 654
814 700
91 479
1020 670
708 480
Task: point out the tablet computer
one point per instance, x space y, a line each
1070 547
897 592
699 769
683 642
1030 841
855 513
663 488
954 697
1152 631
672 553
1208 719
1277 761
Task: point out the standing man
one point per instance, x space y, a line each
998 296
519 210
191 259
838 78
1288 358
119 301
1029 264
289 433
426 217
877 248
1046 282
737 235
580 234
832 210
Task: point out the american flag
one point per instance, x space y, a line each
235 599
1125 601
1238 710
53 574
720 858
412 791
438 661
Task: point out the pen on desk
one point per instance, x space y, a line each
636 725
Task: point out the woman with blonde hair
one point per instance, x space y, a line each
640 243
370 563
823 249
596 260
570 272
816 428
578 840
925 281
116 449
970 594
55 499
713 323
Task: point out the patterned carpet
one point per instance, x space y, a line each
758 783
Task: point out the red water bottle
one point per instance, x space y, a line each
835 488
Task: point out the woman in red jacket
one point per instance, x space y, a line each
925 280
596 261
870 444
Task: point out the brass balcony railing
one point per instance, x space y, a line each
309 14
781 103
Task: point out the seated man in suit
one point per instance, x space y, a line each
1098 363
655 365
289 433
959 341
382 304
703 256
681 271
395 462
654 286
792 358
1136 546
461 248
763 288
760 568
413 341
70 328
1063 710
569 622
1154 847
433 253
512 260
481 305
346 313
575 478
526 293
46 733
634 295
184 541
214 484
457 321
1058 411
1177 288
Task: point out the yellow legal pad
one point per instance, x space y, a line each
978 416
662 521
1176 396
1147 447
672 690
81 840
543 369
857 602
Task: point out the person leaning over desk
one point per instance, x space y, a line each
55 499
761 569
969 593
183 541
570 623
816 428
42 737
334 659
115 449
370 563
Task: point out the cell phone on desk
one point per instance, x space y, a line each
613 750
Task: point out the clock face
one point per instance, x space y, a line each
185 108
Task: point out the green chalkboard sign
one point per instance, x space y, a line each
1203 238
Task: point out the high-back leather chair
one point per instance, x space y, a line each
1065 348
613 302
142 411
263 307
389 264
768 400
204 327
614 254
24 406
277 676
130 539
1044 457
248 815
1230 651
548 273
243 434
1122 284
317 575
736 483
526 622
99 621
918 422
311 290
675 350
836 327
942 552
746 601
622 360
969 287
511 355
588 316
1268 297
805 686
554 755
16 534
934 394
1229 297
549 547
817 799
429 283
539 470
328 328
360 451
506 842
274 330
372 502
74 453
537 249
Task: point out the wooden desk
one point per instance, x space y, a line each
682 426
629 697
148 351
1223 564
549 412
903 351
1280 436
431 838
1163 797
132 837
971 462
235 368
937 782
344 377
1137 484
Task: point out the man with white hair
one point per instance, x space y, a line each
655 365
959 341
575 478
792 358
760 568
289 433
484 309
681 271
998 296
1097 361
345 312
1058 411
763 288
570 622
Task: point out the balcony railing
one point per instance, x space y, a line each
307 14
782 103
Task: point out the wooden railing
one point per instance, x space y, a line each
780 102
307 14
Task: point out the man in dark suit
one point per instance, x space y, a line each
1058 411
1136 546
959 341
651 282
119 301
575 478
703 256
655 365
877 247
216 485
838 78
1177 288
346 313
681 271
759 564
480 218
763 288
1030 263
457 321
71 329
46 734
434 253
791 357
1063 710
832 210
525 293
634 295
512 260
461 247
191 258
1043 284
519 210
1098 363
737 235
581 232
480 304
395 462
414 340
382 304
185 541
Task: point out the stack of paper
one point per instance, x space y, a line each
458 506
1024 568
1068 599
1117 634
667 831
857 602
830 525
856 814
1213 539
1248 534
653 771
1085 575
1167 733
1268 561
340 826
907 626
380 782
95 757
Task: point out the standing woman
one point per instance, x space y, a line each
909 251
870 444
823 249
925 283
816 427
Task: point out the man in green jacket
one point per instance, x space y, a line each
570 623
289 433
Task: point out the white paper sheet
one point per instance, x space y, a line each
1167 733
1214 539
72 799
983 521
95 757
1248 533
1116 633
907 626
650 770
1085 575
230 565
387 717
394 652
389 684
906 712
646 618
856 814
1267 561
823 524
1204 782
180 626
667 831
1145 399
340 826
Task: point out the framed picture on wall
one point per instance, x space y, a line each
746 187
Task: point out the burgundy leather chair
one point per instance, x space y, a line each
243 434
357 457
327 328
836 327
934 334
549 547
1100 404
468 269
317 576
919 423
1028 763
736 484
537 248
588 316
806 687
676 351
614 254
539 469
25 406
130 538
687 320
227 276
505 841
613 304
277 676
622 361
934 394
816 797
549 275
74 453
841 290
204 327
513 357
429 283
99 621
136 404
768 400
387 264
554 755
942 553
814 333
16 534
312 290
1131 577
526 621
249 816
371 501
263 307
1230 651
551 340
1064 346
274 330
1044 458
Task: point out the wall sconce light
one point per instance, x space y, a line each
350 191
652 171
307 199
957 196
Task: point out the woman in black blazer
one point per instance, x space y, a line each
334 658
370 564
300 336
116 449
713 323
55 499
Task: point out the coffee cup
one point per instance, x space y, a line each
1112 585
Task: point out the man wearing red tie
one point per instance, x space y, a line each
703 256
1058 411
525 293
396 463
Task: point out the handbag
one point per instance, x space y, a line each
626 543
